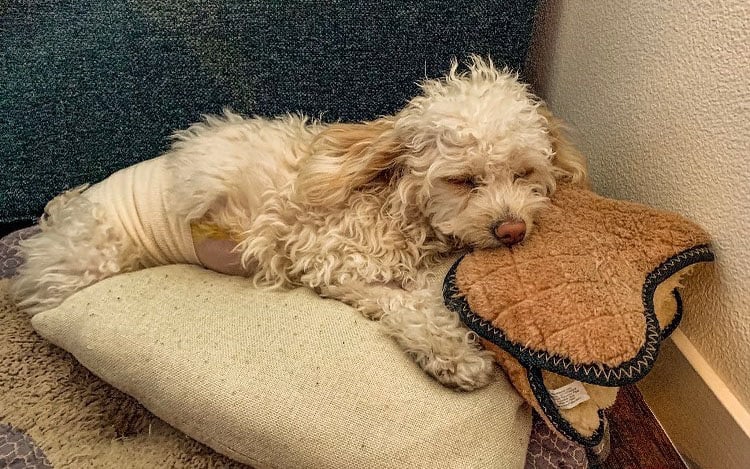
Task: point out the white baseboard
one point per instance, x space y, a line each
712 380
699 412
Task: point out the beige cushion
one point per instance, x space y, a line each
280 379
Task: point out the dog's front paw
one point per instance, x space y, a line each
467 372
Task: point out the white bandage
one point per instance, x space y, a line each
136 200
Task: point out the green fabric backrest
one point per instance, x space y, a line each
91 86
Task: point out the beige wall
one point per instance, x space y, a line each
659 95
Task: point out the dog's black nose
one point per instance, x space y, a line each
510 232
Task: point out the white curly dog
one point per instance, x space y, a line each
356 211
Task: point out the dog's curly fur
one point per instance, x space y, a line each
357 212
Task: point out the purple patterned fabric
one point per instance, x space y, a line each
9 255
548 450
18 450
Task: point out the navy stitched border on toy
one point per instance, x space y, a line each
536 382
603 375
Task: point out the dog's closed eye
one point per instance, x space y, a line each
463 182
523 173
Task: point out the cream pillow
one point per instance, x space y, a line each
280 379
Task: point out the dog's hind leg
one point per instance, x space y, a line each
78 245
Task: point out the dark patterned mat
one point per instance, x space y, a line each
18 450
9 256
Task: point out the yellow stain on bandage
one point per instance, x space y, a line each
203 230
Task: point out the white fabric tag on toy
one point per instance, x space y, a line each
569 395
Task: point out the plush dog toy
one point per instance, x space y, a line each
581 307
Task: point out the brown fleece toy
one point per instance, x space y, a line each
582 305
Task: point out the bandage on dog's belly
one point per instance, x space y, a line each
215 249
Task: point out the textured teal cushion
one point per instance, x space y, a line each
90 86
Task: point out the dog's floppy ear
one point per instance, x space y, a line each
568 159
346 157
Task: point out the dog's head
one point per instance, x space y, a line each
476 155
